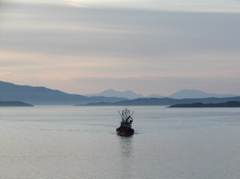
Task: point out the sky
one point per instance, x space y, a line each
147 46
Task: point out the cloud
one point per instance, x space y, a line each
4 73
167 5
57 29
124 48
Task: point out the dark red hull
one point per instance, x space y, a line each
124 131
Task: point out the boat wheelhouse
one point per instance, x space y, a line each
125 128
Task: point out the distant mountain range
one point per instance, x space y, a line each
113 93
14 104
164 101
183 94
45 96
229 104
191 93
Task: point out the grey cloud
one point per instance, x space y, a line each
147 43
116 32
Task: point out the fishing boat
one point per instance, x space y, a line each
125 128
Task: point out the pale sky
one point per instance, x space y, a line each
147 46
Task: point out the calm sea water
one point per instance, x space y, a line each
52 142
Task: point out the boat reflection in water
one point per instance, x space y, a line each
125 128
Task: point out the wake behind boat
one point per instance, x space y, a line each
125 128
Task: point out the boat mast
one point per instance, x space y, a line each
125 115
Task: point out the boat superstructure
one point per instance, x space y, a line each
125 128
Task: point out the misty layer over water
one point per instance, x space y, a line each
80 142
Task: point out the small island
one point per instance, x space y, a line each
14 104
208 105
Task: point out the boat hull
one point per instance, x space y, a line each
124 131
